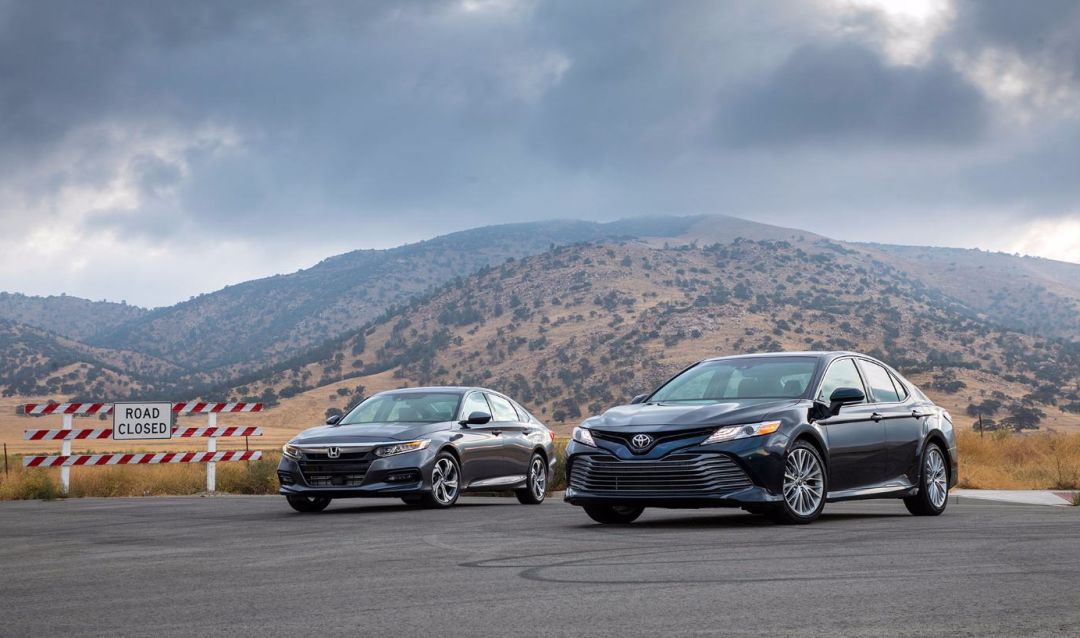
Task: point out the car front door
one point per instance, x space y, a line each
479 445
856 436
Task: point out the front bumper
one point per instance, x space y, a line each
954 467
394 476
738 473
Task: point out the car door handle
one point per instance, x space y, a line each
919 415
877 416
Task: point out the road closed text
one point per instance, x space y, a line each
133 421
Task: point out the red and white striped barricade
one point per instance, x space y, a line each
211 432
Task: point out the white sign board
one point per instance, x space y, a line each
134 421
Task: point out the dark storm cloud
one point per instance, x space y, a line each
847 93
1047 31
283 120
63 63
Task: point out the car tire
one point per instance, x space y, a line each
614 514
445 482
805 486
308 504
535 482
933 494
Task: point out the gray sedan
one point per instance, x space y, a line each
423 445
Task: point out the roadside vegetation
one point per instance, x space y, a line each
1005 461
247 477
992 460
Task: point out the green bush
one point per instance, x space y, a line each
36 484
249 477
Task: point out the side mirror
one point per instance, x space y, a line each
477 418
333 419
844 396
639 399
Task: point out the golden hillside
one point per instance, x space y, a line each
578 329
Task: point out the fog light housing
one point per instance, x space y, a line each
409 476
286 478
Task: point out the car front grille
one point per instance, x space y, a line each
674 475
625 438
348 470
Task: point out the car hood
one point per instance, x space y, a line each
651 417
367 433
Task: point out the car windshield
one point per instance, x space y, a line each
743 378
405 407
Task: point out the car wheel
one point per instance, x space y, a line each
933 493
445 478
805 486
535 484
308 504
613 514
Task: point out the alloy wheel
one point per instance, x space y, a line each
936 478
803 482
444 481
538 477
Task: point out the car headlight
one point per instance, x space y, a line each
291 451
402 448
583 436
732 432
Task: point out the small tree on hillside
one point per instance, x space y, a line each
1023 417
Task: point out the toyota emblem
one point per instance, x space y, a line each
333 452
641 441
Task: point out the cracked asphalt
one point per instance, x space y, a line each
491 567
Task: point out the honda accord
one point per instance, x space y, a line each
423 445
778 434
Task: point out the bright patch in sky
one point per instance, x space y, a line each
911 25
1052 238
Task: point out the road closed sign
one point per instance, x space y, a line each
134 421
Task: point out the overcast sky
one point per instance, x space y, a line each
150 151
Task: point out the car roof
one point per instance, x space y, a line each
441 388
819 354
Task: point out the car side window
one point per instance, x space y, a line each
475 402
900 389
523 414
841 374
880 382
502 411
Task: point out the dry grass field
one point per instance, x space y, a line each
1003 461
244 477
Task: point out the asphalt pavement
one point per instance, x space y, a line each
489 567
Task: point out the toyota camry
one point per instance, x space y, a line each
423 445
778 434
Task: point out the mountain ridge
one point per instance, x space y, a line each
574 329
288 321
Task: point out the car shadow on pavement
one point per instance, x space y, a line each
358 508
743 519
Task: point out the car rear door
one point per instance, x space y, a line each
515 450
856 436
903 424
